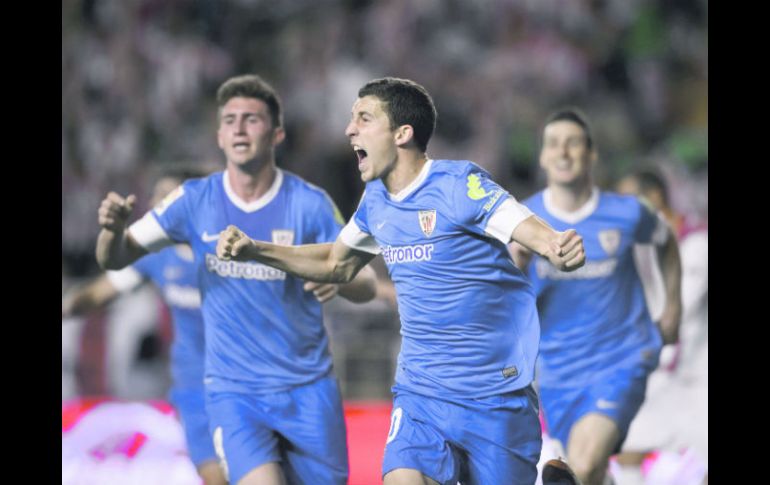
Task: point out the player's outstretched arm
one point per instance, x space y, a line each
88 298
362 289
563 249
115 248
325 263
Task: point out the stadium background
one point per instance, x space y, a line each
138 85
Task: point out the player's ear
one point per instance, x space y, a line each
404 134
279 134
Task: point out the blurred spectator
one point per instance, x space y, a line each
663 424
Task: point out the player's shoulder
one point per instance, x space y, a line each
449 175
193 188
309 194
534 200
454 168
624 209
614 199
623 203
199 183
192 193
298 185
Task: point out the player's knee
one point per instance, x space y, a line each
589 470
212 474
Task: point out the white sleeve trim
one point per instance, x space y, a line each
149 234
506 218
355 238
125 279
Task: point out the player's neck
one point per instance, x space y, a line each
570 198
251 183
405 170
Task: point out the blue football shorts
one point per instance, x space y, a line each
302 429
618 396
190 404
494 440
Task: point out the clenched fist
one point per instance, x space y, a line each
115 211
567 252
232 244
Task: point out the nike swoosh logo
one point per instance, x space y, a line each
379 226
206 237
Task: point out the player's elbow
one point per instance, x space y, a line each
342 273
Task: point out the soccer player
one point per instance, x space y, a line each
663 423
173 271
598 342
273 402
464 407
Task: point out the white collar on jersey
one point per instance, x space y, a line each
575 216
256 204
401 195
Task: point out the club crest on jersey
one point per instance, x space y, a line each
427 221
283 237
610 240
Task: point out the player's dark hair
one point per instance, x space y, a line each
406 103
251 86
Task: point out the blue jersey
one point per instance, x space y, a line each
264 333
173 271
468 317
595 319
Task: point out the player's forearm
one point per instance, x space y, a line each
535 235
114 250
308 261
671 269
79 304
363 287
564 250
93 296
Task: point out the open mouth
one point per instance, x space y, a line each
361 154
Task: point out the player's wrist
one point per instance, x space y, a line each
114 230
